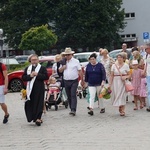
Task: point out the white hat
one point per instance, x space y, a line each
68 51
135 62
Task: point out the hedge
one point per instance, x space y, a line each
16 67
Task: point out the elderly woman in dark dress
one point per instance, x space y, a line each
35 74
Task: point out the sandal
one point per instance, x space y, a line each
38 122
41 120
141 107
91 112
135 108
88 108
102 110
122 114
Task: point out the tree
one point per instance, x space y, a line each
93 23
38 39
77 23
18 16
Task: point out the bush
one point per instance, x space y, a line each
16 67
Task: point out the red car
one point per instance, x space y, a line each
15 78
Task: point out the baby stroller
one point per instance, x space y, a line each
59 100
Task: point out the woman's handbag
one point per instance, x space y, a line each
128 85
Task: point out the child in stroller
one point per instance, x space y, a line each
54 88
54 94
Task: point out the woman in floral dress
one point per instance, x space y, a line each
107 63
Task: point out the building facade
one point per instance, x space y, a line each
137 18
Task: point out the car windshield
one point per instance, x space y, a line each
82 57
8 61
47 64
114 54
22 58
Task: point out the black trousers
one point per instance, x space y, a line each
71 89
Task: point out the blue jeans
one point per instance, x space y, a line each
148 89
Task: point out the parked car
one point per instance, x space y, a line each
114 53
83 57
15 78
9 61
22 58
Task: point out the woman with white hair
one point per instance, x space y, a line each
107 63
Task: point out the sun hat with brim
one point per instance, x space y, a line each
134 62
68 51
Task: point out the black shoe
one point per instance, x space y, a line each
102 110
91 113
88 108
38 123
73 113
148 109
5 120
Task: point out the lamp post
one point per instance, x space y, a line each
1 41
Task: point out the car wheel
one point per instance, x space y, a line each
16 85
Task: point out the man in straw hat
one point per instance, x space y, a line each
72 71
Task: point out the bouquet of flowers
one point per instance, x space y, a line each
105 93
23 94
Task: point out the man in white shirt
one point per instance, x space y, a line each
147 71
72 71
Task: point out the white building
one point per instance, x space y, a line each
137 17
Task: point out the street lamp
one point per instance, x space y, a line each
1 41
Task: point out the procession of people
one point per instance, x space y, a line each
102 71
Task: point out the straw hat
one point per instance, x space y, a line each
68 51
134 62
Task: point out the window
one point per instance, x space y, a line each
128 35
122 36
132 15
129 15
133 35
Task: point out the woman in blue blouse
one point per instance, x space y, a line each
95 76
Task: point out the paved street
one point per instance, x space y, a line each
60 131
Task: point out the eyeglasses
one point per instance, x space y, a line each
67 54
34 59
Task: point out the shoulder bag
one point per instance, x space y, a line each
128 85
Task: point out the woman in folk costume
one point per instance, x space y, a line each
35 74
